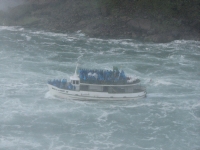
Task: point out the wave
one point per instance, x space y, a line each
11 28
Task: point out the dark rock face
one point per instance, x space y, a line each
140 24
96 21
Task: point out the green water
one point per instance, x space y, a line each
31 119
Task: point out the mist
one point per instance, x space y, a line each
6 4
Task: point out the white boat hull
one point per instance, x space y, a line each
90 95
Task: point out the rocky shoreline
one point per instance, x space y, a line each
71 16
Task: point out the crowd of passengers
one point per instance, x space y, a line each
62 84
92 76
102 76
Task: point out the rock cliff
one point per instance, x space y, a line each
98 20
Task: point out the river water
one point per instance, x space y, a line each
31 119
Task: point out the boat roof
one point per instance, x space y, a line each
74 77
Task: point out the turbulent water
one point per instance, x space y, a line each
31 119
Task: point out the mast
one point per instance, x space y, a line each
75 73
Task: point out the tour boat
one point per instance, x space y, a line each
96 84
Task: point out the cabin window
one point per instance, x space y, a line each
113 89
105 88
129 89
84 87
95 88
77 82
74 82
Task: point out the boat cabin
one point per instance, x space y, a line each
75 81
110 88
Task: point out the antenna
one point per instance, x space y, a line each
75 73
78 59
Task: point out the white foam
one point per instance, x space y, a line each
28 38
103 117
158 82
49 96
11 28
